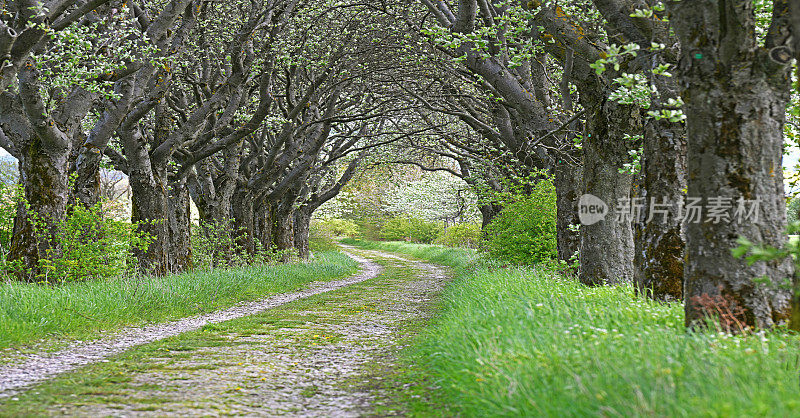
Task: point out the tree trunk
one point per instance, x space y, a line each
179 225
243 221
151 206
488 213
213 195
283 228
87 176
264 224
735 99
149 212
606 251
302 223
567 180
658 261
44 177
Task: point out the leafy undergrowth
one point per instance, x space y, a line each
30 312
529 342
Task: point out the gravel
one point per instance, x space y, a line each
35 368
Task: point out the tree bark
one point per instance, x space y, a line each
179 227
302 223
283 228
213 194
157 208
488 213
735 99
149 213
606 251
567 181
42 144
44 178
264 224
659 238
243 221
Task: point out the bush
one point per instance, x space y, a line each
85 245
9 196
336 227
371 228
461 235
525 231
405 228
214 245
792 210
91 247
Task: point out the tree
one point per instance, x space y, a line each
735 95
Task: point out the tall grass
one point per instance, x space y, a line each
527 342
30 312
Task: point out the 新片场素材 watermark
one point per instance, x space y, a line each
716 209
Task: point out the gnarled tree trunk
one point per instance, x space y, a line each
283 228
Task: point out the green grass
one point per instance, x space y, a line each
448 256
30 312
527 342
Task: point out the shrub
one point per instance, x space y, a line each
465 235
91 246
86 245
412 229
336 227
319 239
214 245
9 196
792 210
371 228
525 231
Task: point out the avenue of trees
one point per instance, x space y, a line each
260 112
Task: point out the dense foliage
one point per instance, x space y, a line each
525 231
87 245
407 228
464 235
336 227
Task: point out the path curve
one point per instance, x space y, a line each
36 368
